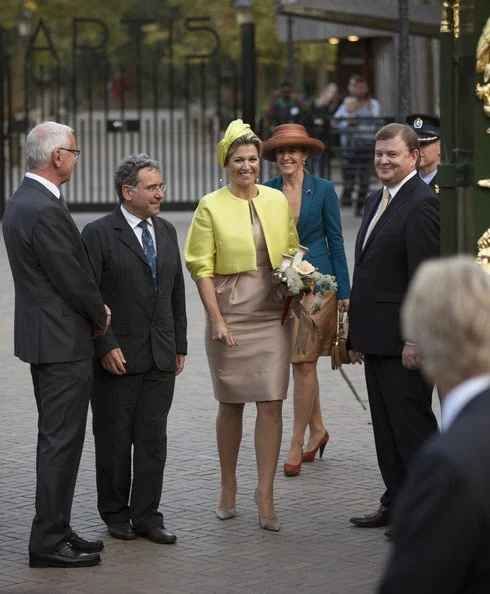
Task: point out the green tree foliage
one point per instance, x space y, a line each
58 17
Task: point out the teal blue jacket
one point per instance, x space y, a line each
320 230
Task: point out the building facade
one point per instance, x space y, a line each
373 27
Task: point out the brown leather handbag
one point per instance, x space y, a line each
340 354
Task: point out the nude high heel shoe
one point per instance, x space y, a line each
272 524
225 513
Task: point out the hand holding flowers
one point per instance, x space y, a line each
299 276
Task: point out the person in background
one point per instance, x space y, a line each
330 99
357 130
428 130
286 107
235 240
317 122
315 209
441 521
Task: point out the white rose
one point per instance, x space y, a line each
304 267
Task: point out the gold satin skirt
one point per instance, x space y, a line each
257 369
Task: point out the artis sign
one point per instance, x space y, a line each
41 40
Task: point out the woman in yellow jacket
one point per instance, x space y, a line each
236 239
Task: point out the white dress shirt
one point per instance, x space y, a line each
459 397
393 192
45 182
428 178
138 231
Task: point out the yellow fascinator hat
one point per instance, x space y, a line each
236 129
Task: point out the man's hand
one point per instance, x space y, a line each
180 360
356 357
411 356
108 316
114 362
343 306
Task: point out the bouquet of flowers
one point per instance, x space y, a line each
298 277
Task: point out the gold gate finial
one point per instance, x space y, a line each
450 17
483 257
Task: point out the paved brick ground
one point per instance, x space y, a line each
317 549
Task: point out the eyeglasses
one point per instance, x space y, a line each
75 152
154 188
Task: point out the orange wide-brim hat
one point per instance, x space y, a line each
291 135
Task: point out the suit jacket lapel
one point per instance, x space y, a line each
163 246
306 200
395 204
126 234
371 208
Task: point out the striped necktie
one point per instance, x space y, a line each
149 249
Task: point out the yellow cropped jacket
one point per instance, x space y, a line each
220 238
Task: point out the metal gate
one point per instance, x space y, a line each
464 172
173 111
143 99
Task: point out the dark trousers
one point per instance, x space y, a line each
401 410
130 411
62 392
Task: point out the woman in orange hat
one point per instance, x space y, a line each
315 208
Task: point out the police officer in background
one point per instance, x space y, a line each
428 131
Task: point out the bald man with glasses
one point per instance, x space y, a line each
138 269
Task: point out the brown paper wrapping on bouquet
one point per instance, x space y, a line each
313 340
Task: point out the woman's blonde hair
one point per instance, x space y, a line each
249 138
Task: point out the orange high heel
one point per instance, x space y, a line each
292 469
310 455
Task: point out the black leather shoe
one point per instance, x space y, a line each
85 546
379 518
68 556
123 531
159 534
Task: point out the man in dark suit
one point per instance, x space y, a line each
441 520
399 230
427 129
137 264
58 310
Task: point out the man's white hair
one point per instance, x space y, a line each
42 140
447 314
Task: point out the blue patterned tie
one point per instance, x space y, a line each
149 249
